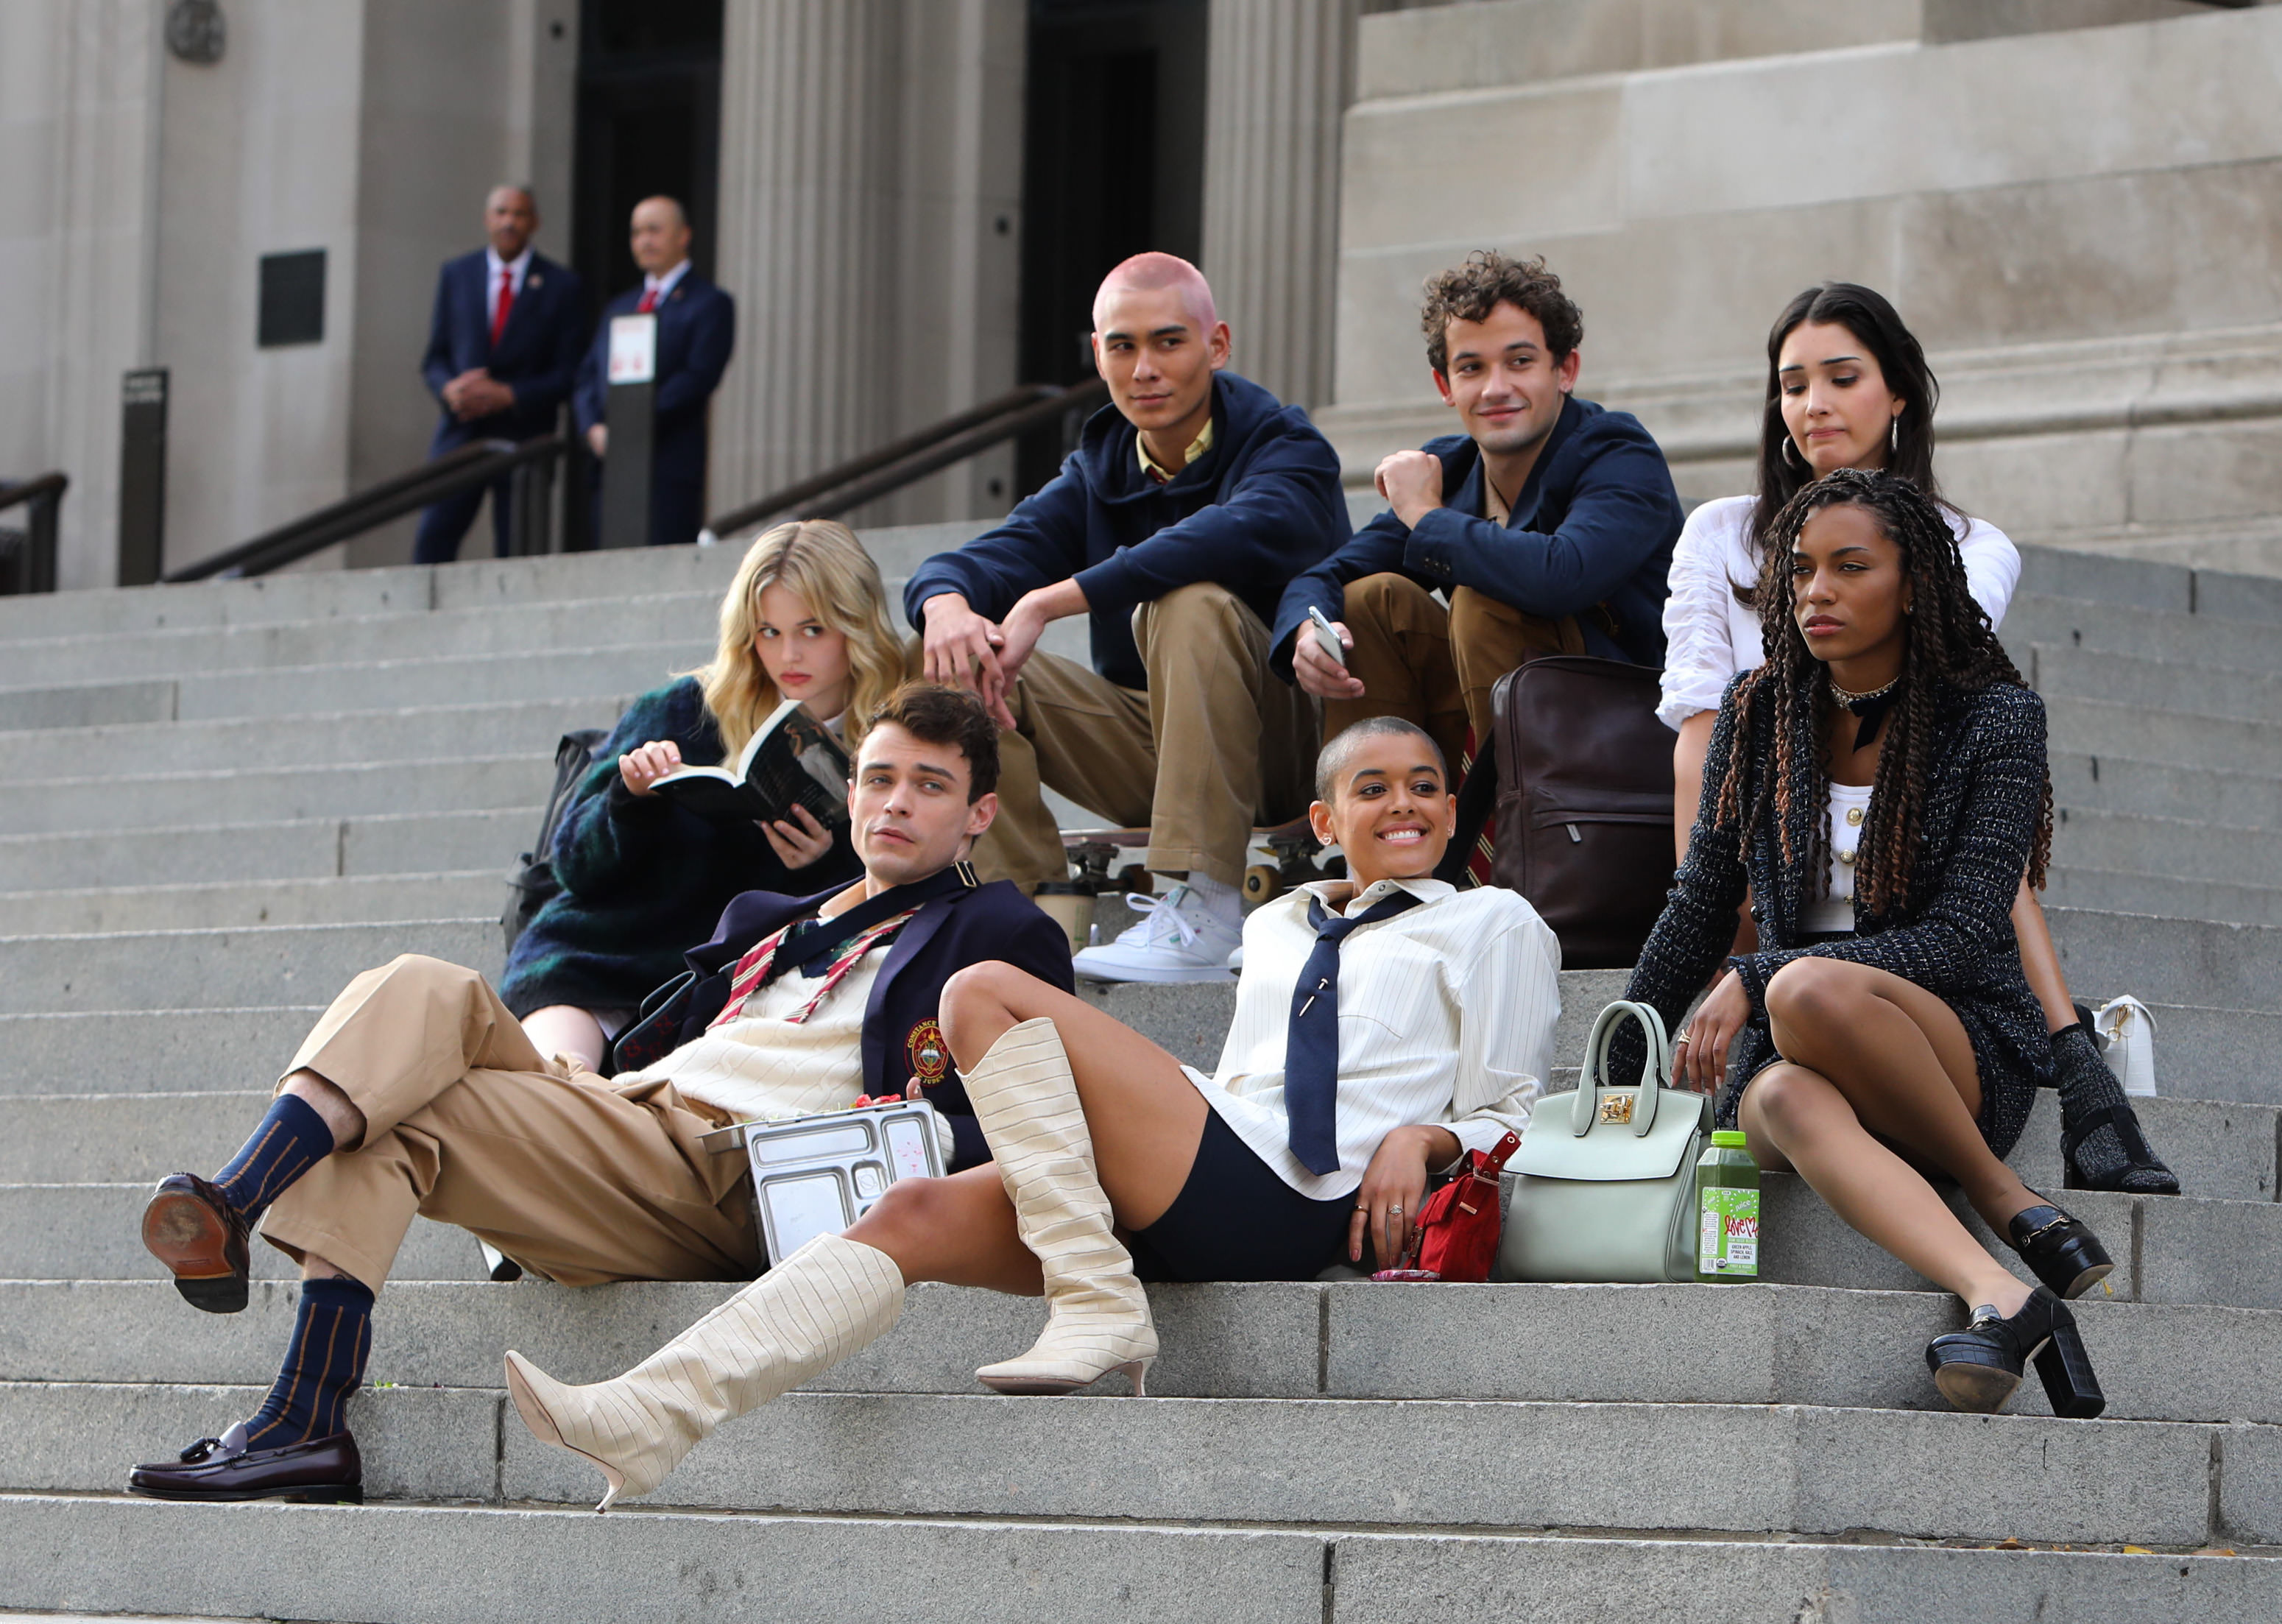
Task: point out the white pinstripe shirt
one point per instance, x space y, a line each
1446 1015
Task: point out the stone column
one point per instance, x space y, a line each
810 139
86 144
1282 73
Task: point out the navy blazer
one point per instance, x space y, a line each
538 353
696 332
1263 504
902 1035
1594 524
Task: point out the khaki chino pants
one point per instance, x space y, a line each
1432 665
467 1123
1218 744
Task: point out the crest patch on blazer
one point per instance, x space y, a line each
929 1054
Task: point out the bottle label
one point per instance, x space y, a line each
1728 1242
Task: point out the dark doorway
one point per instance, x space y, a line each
650 121
1114 139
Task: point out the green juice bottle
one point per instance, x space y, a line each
1727 1210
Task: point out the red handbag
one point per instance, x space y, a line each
1458 1229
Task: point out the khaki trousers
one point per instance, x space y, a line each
1217 745
1432 666
467 1123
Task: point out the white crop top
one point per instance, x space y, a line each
1849 804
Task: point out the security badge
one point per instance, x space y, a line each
929 1054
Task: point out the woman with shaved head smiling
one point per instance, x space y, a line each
1191 499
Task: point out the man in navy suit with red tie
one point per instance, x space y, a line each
502 354
696 329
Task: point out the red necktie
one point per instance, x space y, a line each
649 302
505 303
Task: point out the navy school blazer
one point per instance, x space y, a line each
696 330
537 354
1594 524
902 1035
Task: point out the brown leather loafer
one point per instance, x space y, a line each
189 1226
324 1471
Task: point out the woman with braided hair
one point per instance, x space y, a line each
1879 786
1848 387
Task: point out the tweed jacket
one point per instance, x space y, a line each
1954 938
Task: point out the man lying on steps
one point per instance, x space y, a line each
1384 1025
418 1093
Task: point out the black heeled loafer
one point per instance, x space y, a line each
2061 1249
1979 1369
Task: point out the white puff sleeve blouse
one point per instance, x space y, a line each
1709 634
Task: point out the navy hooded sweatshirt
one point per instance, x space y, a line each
1593 525
1260 507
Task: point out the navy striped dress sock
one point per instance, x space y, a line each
324 1365
289 1139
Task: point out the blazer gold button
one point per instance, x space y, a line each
1854 814
1846 858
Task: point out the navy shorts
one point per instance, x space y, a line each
1235 1219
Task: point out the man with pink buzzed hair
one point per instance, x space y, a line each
1192 499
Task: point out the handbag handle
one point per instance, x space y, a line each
1593 1081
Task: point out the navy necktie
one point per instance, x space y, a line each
1311 1050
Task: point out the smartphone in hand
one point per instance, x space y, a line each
1327 637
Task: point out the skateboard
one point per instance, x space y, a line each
1297 858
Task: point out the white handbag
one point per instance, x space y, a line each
2126 1032
1601 1188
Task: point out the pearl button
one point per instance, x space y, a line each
1854 814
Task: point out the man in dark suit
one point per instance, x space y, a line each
696 330
418 1093
503 350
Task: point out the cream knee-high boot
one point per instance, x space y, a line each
1097 1314
815 1308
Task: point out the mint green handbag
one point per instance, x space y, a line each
1601 1188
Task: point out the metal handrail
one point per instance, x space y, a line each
901 463
45 495
470 467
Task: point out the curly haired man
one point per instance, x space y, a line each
1546 526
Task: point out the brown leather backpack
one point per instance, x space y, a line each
1582 775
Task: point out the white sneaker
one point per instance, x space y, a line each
1178 940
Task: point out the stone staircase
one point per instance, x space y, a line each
217 802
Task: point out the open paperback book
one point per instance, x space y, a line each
794 759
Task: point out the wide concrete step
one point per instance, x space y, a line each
2178 1250
1818 1345
2101 726
2085 783
93 1231
297 690
2109 891
306 848
2169 960
151 1051
2175 848
363 899
2165 685
1375 1462
345 738
502 628
194 970
95 806
2145 584
2220 1149
452 1565
2142 633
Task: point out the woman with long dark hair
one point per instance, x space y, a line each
1879 786
1848 387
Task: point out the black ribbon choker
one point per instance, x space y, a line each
1870 707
